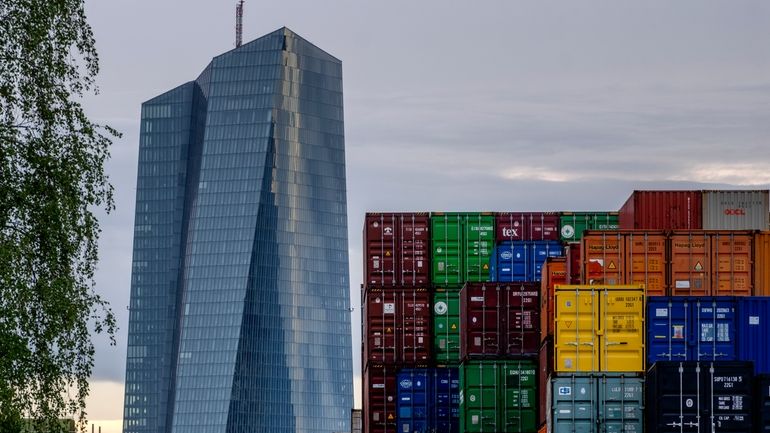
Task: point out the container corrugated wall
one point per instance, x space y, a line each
736 210
397 327
554 272
762 403
428 400
446 327
753 327
662 210
574 223
380 395
762 264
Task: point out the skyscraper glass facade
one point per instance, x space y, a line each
239 314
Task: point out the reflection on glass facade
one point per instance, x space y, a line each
239 317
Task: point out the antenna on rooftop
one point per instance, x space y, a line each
239 24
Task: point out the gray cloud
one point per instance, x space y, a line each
462 106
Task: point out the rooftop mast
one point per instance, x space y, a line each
239 24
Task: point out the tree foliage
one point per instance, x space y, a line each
52 180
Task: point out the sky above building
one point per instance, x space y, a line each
449 105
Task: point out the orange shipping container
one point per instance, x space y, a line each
626 257
554 272
762 264
711 263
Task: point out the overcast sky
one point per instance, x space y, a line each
457 105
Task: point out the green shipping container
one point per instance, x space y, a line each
446 327
479 234
573 224
446 241
498 396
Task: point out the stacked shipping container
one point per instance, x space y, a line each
456 314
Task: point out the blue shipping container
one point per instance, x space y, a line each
689 328
428 400
754 332
523 260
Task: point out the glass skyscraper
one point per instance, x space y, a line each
239 313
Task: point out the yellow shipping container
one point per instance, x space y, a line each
599 328
762 264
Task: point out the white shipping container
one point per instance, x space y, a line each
736 210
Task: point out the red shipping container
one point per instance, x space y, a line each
480 321
574 262
414 249
521 319
380 244
397 250
554 272
546 369
603 254
662 210
527 226
380 397
397 327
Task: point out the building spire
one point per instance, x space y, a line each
239 24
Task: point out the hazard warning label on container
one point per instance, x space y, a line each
568 324
486 267
611 265
698 266
454 326
387 253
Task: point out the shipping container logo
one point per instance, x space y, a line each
406 384
440 308
739 212
388 231
511 232
565 390
568 231
506 255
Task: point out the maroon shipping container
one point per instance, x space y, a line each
380 234
380 396
662 210
396 250
396 327
521 319
546 369
574 262
414 249
527 226
499 320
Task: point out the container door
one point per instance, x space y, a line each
380 400
447 235
512 261
541 250
413 400
479 242
380 327
713 325
380 249
577 324
414 250
646 262
622 331
732 259
574 404
729 410
521 320
675 398
444 407
518 400
603 258
573 225
482 321
414 329
763 403
690 264
478 399
446 327
668 321
621 399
